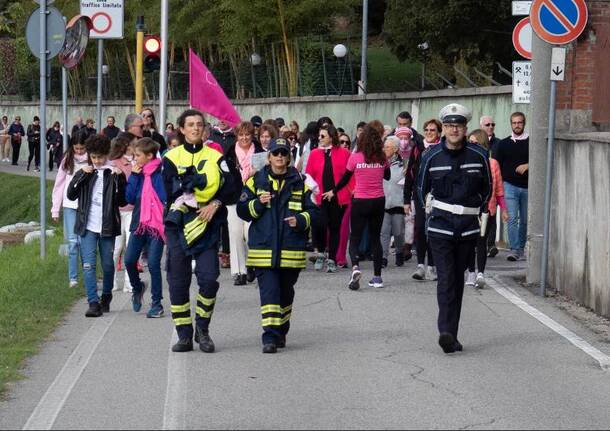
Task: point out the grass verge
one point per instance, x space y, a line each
34 294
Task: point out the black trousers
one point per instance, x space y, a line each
277 295
34 154
491 231
327 232
451 257
421 240
481 249
16 148
224 237
367 212
179 275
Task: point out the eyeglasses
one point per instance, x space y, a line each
490 125
322 136
279 153
454 126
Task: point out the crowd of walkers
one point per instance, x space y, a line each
255 198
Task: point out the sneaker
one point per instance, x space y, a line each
513 256
331 267
183 345
493 252
156 311
136 299
420 273
431 273
105 302
73 284
95 310
470 279
205 342
320 260
376 282
354 282
447 342
479 283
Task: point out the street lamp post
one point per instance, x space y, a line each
255 60
423 47
365 29
340 51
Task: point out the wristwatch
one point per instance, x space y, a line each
216 203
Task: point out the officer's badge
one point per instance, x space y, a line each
243 197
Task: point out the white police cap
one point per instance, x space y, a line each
455 113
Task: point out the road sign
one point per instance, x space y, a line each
558 21
56 32
522 75
106 17
558 64
521 8
522 38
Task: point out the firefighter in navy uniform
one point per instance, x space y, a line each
199 185
278 203
454 181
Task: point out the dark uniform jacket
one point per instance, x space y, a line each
272 243
81 188
457 177
226 139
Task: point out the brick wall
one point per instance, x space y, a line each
583 76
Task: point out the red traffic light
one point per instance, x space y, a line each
152 45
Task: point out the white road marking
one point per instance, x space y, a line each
49 406
174 411
601 357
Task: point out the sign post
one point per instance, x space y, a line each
556 22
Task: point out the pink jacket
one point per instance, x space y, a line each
315 168
63 178
497 190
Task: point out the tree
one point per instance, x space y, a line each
473 32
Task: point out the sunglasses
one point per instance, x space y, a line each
430 130
292 138
146 116
344 141
490 125
278 153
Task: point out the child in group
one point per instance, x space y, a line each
100 190
75 158
145 190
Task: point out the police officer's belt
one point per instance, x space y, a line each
455 209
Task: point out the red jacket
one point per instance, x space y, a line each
315 167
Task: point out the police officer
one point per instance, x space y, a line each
279 205
455 183
199 185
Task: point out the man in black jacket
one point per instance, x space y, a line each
223 135
455 183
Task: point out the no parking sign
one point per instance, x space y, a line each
106 17
558 21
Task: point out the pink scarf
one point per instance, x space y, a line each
151 207
245 160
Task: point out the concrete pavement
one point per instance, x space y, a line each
365 359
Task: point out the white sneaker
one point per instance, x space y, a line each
470 279
354 281
73 284
420 273
480 281
431 273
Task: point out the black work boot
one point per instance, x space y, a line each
269 348
105 302
183 345
94 310
447 342
400 259
205 342
281 342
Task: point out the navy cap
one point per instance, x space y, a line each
279 144
256 120
455 113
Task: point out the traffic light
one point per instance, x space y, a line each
152 50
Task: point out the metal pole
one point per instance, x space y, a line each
163 71
64 106
423 74
100 82
324 67
548 189
253 77
43 123
365 31
139 64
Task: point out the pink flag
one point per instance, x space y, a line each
206 94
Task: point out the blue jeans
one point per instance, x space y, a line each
73 242
516 201
89 244
137 243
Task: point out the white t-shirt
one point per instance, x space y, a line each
94 221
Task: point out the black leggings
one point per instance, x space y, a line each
329 228
34 154
367 212
481 249
421 240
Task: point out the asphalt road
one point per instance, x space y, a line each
365 359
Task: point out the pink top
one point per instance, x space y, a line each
125 165
369 177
